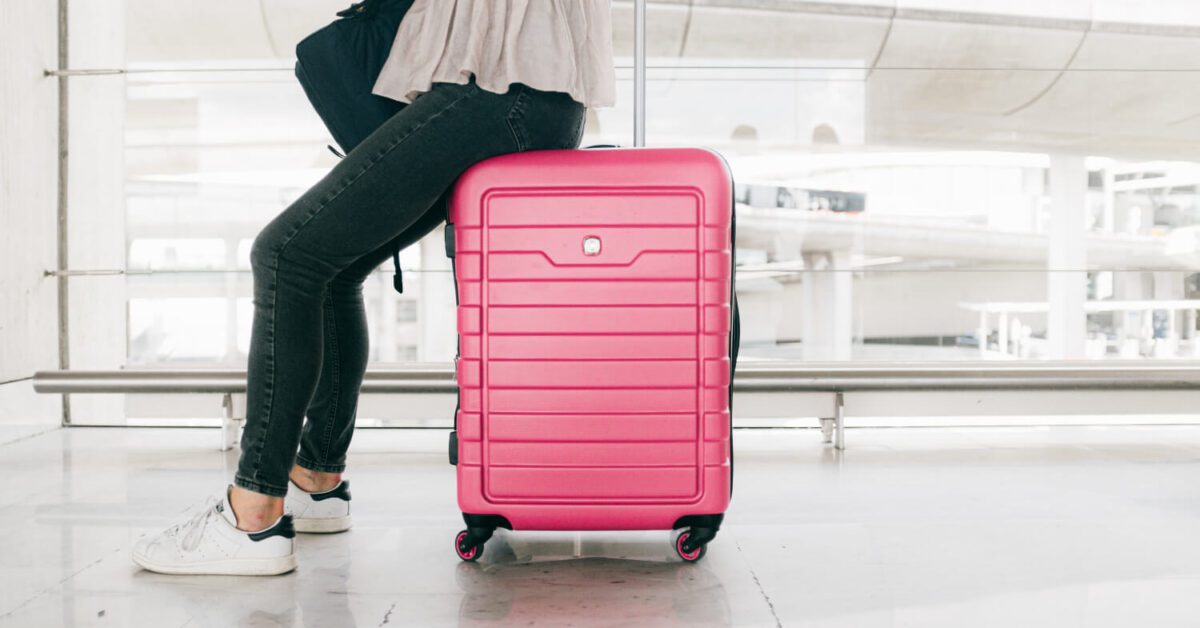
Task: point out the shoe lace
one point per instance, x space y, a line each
191 531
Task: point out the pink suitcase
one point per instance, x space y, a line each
597 333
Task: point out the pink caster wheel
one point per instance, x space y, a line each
687 551
465 551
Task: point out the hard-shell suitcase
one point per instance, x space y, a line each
597 334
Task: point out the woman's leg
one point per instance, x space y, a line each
537 120
378 192
330 425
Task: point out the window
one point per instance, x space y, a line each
916 179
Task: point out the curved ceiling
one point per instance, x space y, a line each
1106 77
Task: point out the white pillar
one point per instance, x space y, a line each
828 328
1002 333
1168 286
96 202
1109 223
28 242
983 331
1066 324
385 300
437 321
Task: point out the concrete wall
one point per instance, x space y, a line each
28 202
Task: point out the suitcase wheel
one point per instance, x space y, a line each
466 548
469 543
689 552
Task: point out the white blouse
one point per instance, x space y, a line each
551 45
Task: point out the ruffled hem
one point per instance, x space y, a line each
558 49
408 91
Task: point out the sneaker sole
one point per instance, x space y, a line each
322 525
231 567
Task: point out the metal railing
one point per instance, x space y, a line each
835 379
751 377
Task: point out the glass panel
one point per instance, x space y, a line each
176 253
178 331
930 314
900 170
932 177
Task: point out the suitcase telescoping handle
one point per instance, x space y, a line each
639 72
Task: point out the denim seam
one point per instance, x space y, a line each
337 386
270 400
518 107
579 130
312 465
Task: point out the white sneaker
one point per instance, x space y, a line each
319 512
211 544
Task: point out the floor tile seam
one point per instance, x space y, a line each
58 584
20 439
757 583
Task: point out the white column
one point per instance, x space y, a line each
1002 333
1168 286
1066 324
385 299
28 188
96 201
1109 223
437 321
983 332
828 328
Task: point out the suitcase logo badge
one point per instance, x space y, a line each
591 245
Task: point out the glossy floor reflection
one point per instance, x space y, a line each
911 527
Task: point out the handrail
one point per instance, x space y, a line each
831 378
779 377
438 379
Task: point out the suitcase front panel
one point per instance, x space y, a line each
597 343
636 238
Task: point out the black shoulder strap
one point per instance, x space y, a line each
398 278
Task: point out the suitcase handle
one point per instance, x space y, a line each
639 73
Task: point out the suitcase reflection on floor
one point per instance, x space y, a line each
560 578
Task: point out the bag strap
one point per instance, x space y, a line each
398 278
364 8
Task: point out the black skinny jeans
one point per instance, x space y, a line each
308 344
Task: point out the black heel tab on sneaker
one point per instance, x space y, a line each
282 528
341 491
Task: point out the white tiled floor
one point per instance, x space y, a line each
910 527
